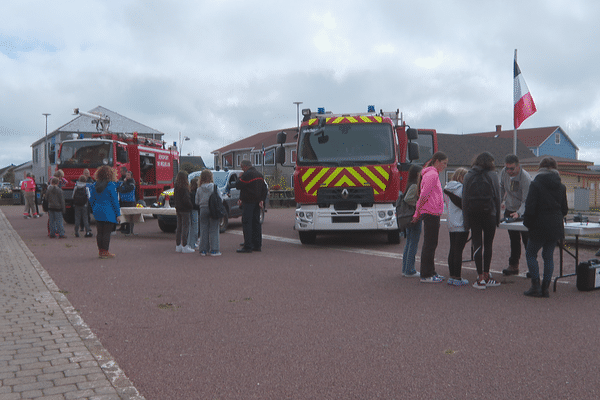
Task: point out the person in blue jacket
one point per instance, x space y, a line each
126 190
105 207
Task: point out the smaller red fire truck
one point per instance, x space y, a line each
154 167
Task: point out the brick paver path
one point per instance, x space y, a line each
46 350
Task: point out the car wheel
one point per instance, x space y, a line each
307 237
394 237
69 216
223 224
168 228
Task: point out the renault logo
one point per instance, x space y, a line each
345 194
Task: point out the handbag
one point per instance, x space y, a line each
404 214
215 205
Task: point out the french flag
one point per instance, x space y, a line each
524 105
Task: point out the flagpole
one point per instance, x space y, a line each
514 121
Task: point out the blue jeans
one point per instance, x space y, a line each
55 222
193 236
81 218
209 231
531 251
413 234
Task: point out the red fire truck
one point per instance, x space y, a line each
154 167
352 168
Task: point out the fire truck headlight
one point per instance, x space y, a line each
390 213
381 214
309 216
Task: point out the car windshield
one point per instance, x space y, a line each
86 153
346 144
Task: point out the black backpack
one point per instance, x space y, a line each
215 205
481 194
80 196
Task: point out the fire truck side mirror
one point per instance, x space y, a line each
413 151
281 137
412 134
280 155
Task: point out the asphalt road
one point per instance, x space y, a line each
335 320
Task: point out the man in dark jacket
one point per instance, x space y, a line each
126 190
253 192
545 209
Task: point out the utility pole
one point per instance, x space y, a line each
46 155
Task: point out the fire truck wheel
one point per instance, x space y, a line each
69 215
307 237
223 224
394 237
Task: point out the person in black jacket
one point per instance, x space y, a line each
545 209
253 192
183 208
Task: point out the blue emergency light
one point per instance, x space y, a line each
321 110
371 109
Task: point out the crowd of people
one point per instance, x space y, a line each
473 199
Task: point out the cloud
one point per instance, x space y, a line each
222 70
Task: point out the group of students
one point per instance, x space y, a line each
473 201
196 230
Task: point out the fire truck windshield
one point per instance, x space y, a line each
86 154
346 144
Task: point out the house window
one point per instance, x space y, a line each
228 161
238 159
557 138
36 155
270 157
293 154
256 159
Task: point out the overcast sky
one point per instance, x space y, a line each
220 70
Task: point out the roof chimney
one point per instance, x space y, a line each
498 128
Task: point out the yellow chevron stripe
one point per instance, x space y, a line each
383 172
358 176
333 175
375 179
378 119
352 120
345 179
316 179
337 120
364 118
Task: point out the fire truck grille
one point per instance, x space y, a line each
345 198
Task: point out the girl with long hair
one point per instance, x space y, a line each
429 208
105 207
482 222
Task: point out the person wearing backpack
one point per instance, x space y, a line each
209 227
514 187
80 206
126 190
545 209
458 234
429 208
413 231
481 214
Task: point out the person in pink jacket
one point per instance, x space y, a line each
429 208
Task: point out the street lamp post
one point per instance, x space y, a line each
46 155
297 103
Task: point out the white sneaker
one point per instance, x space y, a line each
187 249
179 249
